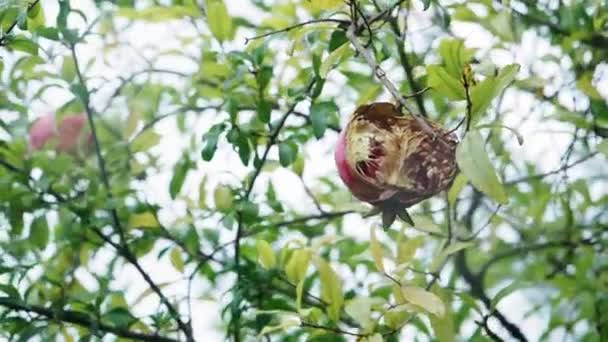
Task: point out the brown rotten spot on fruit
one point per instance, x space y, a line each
390 161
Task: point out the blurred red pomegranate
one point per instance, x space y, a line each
388 160
68 136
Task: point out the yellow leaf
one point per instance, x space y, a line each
376 249
143 220
265 254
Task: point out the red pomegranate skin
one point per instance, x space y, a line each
66 137
385 157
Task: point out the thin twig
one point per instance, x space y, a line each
558 170
289 28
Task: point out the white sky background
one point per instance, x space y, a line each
544 146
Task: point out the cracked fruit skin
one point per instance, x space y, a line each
67 136
388 160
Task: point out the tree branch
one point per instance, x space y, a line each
123 248
6 34
81 319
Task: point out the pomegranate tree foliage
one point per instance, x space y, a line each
515 250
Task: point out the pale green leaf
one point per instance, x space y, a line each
145 141
296 267
360 309
143 220
425 224
223 198
219 20
454 56
334 58
457 246
331 289
424 299
445 84
266 256
176 259
376 250
158 13
485 91
443 326
132 122
475 164
287 321
457 186
407 249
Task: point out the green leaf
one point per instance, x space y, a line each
143 220
176 259
219 21
334 58
264 110
296 267
288 152
475 164
145 141
39 232
331 289
440 80
424 299
180 171
266 256
485 91
210 139
10 291
120 317
376 250
23 44
319 112
337 39
454 56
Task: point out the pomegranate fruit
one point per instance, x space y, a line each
68 136
388 160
